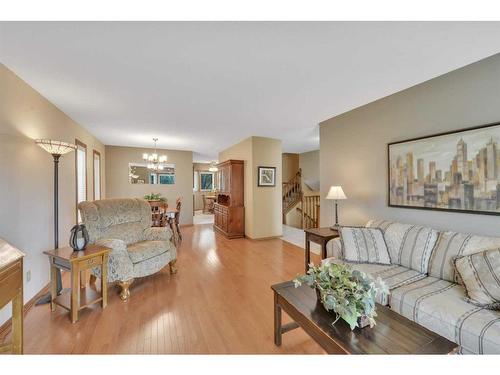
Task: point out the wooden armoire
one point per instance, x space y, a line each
229 209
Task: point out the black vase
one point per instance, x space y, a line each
79 238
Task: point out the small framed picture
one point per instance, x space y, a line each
267 176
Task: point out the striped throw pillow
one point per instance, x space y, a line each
480 273
364 245
409 245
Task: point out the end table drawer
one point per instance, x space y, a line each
90 263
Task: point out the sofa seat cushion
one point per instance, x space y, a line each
440 306
144 250
393 275
409 245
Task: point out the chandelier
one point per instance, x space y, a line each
155 162
213 167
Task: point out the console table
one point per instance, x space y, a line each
11 290
76 261
320 236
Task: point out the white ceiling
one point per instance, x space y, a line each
203 86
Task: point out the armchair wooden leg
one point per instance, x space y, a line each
125 292
173 268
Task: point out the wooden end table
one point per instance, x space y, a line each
393 333
320 236
76 261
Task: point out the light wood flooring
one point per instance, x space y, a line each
220 301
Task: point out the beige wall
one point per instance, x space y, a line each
309 164
353 146
118 186
262 204
198 195
26 185
290 165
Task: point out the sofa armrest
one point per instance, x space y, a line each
334 249
157 234
120 266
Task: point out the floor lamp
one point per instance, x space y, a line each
56 149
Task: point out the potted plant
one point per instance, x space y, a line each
349 293
155 197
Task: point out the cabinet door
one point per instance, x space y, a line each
217 218
227 177
222 188
224 221
225 186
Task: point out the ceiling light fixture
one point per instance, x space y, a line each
155 162
213 167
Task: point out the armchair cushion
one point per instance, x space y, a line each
144 250
157 234
127 232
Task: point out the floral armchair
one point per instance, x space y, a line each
138 250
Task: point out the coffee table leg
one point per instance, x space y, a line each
277 321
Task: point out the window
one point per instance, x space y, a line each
195 181
81 175
162 178
97 175
206 181
166 179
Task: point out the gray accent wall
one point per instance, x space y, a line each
353 145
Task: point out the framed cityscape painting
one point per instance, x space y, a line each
455 171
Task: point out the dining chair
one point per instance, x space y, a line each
178 204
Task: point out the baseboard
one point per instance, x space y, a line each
266 238
7 326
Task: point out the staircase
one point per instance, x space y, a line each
292 193
309 204
310 211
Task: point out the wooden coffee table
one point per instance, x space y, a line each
393 334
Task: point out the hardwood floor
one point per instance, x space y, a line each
220 301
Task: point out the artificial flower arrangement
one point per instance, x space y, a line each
349 293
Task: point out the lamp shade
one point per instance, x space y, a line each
55 147
336 193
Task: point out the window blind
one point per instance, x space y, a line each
97 176
81 183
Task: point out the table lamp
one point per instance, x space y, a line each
336 193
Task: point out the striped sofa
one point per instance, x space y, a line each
424 286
